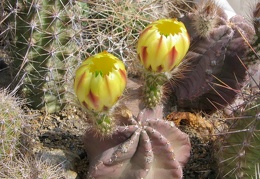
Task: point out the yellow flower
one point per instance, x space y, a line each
162 45
100 81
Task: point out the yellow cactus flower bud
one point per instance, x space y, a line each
100 81
162 45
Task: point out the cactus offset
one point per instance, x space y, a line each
44 48
254 54
142 147
206 16
11 124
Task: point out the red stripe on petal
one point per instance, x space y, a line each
172 56
80 80
145 30
123 74
159 45
144 54
93 99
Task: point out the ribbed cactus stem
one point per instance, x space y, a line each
153 88
103 123
146 146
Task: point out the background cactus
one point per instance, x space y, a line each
44 48
142 147
239 151
12 120
205 17
114 26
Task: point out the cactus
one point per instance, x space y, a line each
44 48
239 151
132 149
11 123
142 147
215 70
206 15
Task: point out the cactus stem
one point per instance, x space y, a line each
102 123
153 88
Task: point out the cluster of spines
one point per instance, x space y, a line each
205 17
153 92
102 124
44 48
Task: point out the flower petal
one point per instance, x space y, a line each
162 45
100 81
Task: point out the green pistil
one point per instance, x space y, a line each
153 89
104 124
98 73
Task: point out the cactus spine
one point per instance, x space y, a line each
44 48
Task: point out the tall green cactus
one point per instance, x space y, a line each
44 47
239 154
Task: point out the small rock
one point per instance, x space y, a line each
69 174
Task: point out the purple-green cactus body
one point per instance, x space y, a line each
143 147
215 71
